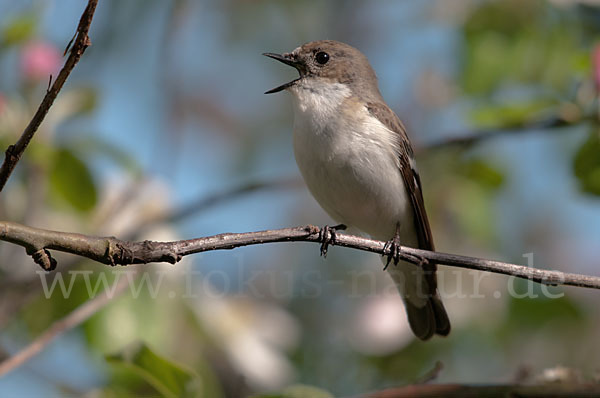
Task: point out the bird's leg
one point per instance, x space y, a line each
394 249
327 236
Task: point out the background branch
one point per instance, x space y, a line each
218 198
113 251
476 136
549 390
73 319
80 42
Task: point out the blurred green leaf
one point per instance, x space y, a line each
506 17
64 291
167 377
71 180
510 115
515 42
587 164
409 364
94 145
486 63
534 312
89 99
483 173
477 219
76 102
298 391
19 30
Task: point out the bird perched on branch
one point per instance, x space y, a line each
357 161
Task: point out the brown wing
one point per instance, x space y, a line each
412 182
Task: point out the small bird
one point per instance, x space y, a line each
357 161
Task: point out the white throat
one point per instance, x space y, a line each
317 100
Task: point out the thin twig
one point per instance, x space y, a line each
73 319
202 203
477 136
548 390
431 374
14 152
113 251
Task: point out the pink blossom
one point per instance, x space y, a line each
596 64
39 60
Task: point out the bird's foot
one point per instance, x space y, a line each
327 236
394 250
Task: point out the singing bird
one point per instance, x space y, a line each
357 161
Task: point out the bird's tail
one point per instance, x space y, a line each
425 310
428 320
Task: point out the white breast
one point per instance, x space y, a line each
349 160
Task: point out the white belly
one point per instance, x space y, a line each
349 162
349 165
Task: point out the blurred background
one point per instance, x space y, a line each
162 132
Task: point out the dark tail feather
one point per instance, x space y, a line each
421 320
442 322
428 320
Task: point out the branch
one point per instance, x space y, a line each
113 251
204 202
81 42
32 287
555 390
477 136
80 314
73 319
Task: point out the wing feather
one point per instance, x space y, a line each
412 182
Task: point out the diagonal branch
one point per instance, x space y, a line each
551 124
204 202
73 319
113 251
81 42
477 136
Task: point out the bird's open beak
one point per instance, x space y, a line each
288 60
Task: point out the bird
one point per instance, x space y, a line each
357 161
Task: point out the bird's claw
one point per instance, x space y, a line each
392 247
328 236
394 250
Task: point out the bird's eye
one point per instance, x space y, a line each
322 57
